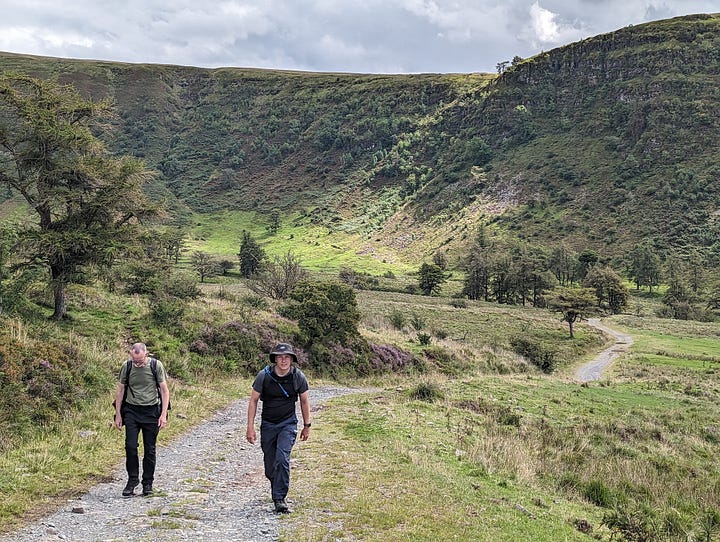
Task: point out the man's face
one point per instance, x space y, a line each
137 355
283 361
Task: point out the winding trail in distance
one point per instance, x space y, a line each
593 370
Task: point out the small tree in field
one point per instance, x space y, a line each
431 278
87 203
205 265
279 277
251 255
572 303
273 222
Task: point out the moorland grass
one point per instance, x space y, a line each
490 457
524 457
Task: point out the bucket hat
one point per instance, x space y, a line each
282 348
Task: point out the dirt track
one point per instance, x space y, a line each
593 370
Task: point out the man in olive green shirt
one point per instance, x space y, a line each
142 407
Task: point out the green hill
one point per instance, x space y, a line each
599 144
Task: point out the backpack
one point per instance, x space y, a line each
266 374
153 368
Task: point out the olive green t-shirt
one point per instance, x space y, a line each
142 390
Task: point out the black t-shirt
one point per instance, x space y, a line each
279 405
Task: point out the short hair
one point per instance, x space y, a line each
139 348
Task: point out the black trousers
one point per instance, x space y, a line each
137 419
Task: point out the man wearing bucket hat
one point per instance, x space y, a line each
279 386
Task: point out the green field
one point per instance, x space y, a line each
526 457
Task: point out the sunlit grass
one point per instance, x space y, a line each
520 457
317 247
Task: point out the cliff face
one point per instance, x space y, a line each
599 144
613 83
606 141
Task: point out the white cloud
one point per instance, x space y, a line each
543 24
321 35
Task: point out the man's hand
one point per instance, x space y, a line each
250 435
118 421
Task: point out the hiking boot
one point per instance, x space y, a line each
129 490
147 490
281 507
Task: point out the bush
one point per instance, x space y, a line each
426 391
230 341
539 355
141 278
39 384
598 493
387 357
181 285
326 312
166 310
397 319
256 302
424 339
445 361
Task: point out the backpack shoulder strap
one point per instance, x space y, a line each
153 368
297 379
128 367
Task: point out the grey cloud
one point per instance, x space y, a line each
383 36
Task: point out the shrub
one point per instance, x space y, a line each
166 310
598 493
181 285
199 346
424 339
397 319
445 361
426 391
141 278
538 354
257 302
387 357
417 322
39 383
230 341
635 523
326 312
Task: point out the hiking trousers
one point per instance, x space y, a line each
141 419
276 441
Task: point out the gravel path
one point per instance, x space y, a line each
209 486
593 370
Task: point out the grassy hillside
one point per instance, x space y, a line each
599 144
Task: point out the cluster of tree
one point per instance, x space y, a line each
276 277
514 273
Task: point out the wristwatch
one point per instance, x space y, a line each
307 424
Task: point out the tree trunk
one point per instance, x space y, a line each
60 301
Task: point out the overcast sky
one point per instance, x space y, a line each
365 36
